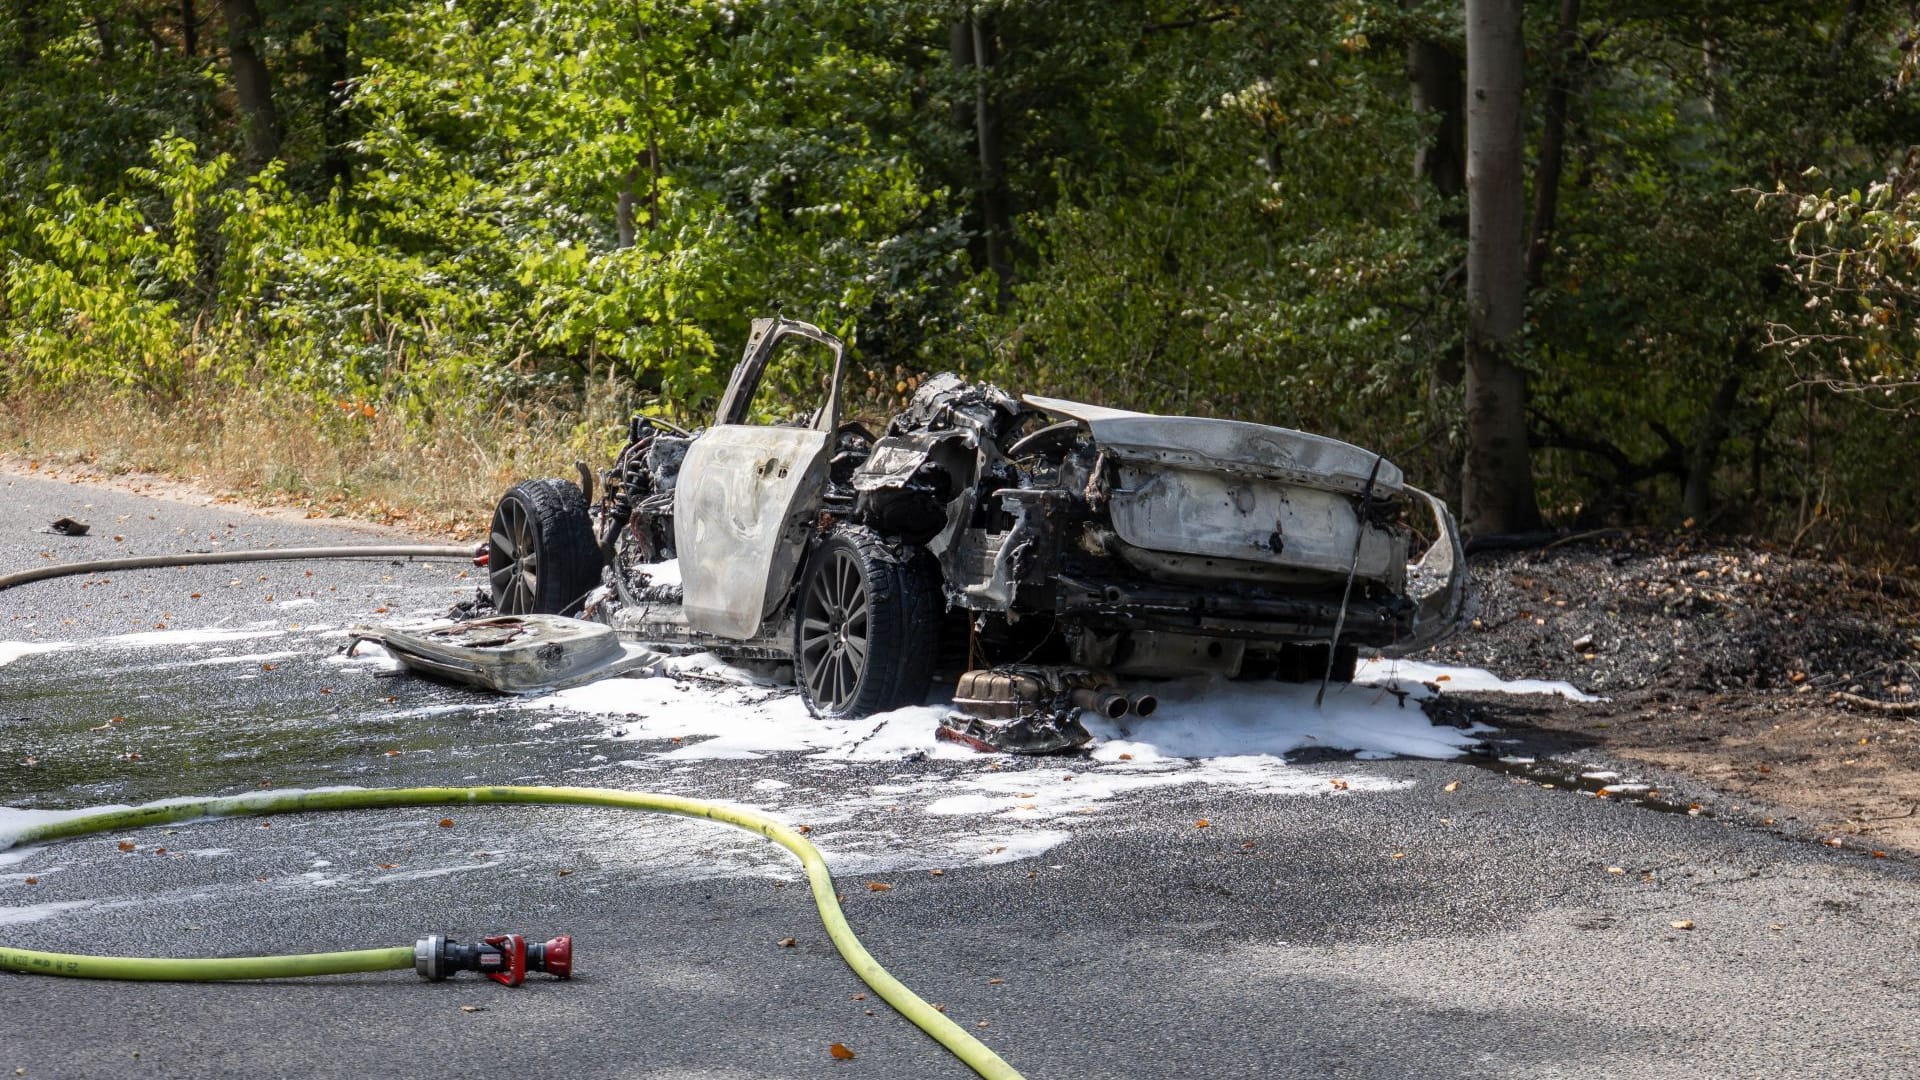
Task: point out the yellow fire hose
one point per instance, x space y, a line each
963 1045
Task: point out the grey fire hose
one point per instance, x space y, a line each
202 558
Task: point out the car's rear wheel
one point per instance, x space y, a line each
866 632
541 557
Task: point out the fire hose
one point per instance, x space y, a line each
435 957
199 558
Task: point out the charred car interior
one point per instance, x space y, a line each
1047 555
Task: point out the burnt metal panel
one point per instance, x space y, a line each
742 510
1229 516
1231 446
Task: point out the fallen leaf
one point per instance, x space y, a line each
787 943
858 997
1453 787
159 851
386 866
983 1023
565 870
803 829
1878 854
393 753
1202 823
1615 870
446 823
995 982
1682 924
266 667
1398 855
126 845
33 881
939 1008
1338 785
936 873
878 886
840 1052
473 1008
1126 757
1442 678
1248 846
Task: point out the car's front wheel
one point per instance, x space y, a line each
541 557
866 632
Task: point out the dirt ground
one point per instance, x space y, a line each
1788 684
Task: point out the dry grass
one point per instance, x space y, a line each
375 461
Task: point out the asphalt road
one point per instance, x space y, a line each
1393 929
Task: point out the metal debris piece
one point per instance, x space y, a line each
511 654
67 526
1032 733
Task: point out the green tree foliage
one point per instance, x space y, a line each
1158 204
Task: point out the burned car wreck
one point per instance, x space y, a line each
1050 554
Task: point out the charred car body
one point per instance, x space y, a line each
1054 551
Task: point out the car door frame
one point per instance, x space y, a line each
748 496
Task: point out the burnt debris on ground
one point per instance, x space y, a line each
1786 680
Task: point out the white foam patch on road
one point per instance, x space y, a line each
731 713
1207 735
432 872
14 916
1407 673
211 635
1208 719
14 650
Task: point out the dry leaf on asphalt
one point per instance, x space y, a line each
840 1052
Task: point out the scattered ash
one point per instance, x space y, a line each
1687 613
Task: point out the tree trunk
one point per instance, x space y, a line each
26 49
1697 500
972 50
1553 144
334 72
1433 77
251 84
109 42
1496 481
189 29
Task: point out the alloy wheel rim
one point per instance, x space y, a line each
513 558
835 631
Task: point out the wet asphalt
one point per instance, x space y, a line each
1417 931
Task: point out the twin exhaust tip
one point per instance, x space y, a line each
1114 705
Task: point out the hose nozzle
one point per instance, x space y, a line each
505 959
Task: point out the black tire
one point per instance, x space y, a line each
866 628
541 557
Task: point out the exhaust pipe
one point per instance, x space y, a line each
1105 702
1144 704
